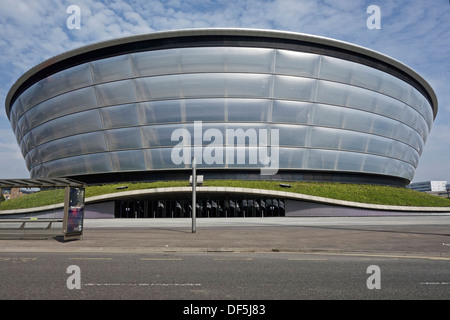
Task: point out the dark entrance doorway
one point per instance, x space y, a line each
206 208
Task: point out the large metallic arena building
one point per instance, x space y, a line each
107 112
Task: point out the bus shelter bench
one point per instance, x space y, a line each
22 222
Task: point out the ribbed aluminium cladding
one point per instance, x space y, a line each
112 107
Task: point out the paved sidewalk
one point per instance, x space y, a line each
416 236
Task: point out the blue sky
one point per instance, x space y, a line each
415 32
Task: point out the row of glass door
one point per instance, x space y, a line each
208 208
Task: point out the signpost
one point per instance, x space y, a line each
194 195
194 180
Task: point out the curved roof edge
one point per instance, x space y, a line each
287 35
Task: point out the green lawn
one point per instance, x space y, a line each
350 192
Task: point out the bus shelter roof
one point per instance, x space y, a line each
41 183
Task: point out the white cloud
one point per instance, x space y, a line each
15 166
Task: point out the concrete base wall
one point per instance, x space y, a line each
296 208
102 210
293 208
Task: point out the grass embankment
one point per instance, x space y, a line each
349 192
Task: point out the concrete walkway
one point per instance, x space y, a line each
425 236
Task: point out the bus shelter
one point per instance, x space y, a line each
74 196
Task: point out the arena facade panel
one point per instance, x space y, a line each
108 111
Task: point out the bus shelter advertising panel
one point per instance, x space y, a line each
74 212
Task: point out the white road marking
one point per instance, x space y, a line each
143 284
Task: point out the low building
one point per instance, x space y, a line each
429 186
12 193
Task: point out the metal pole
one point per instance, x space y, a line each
194 196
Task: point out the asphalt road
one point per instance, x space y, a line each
221 276
236 261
